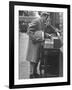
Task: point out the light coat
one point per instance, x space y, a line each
33 53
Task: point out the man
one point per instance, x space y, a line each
37 26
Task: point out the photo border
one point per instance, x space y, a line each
11 43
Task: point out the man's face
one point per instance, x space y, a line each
44 17
48 20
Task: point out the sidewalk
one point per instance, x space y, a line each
24 66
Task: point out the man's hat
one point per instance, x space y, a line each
45 13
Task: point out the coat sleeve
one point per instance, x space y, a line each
32 28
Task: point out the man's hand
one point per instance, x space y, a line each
48 35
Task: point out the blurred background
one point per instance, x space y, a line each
25 17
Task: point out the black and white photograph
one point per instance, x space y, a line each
40 44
